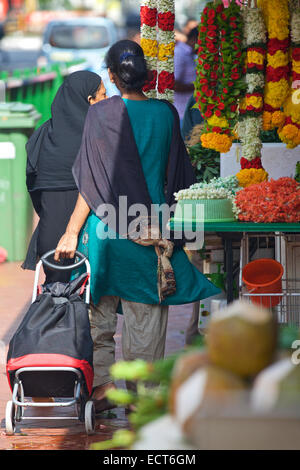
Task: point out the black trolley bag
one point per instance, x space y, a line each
51 353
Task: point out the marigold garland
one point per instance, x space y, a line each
219 83
251 106
289 130
276 14
158 43
249 176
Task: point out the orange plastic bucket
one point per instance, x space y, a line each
264 276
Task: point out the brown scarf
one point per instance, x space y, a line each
149 234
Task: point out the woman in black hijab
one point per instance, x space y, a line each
51 152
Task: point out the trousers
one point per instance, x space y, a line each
143 333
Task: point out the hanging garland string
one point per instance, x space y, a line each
219 83
166 41
251 106
289 132
158 43
148 13
276 15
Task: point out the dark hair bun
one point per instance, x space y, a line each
126 59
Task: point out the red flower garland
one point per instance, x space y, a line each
151 82
247 164
165 81
219 81
148 16
166 21
295 57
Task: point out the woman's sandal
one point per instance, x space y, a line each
102 404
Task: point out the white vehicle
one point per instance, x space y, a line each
86 38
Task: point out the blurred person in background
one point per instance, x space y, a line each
133 27
191 118
185 71
134 35
51 152
181 35
190 24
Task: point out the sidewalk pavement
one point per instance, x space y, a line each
15 297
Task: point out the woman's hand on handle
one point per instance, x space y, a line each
67 245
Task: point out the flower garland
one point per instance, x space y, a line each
206 192
219 83
276 14
229 183
269 201
166 41
158 43
251 107
217 188
289 132
149 44
247 177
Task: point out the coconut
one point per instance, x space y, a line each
184 367
242 338
203 392
162 434
277 386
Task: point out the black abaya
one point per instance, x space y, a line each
51 152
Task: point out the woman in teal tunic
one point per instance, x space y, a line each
124 273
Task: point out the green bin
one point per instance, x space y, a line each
17 122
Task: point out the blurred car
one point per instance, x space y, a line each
78 38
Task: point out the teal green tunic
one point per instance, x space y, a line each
121 267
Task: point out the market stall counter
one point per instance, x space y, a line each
231 232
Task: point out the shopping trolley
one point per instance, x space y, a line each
52 374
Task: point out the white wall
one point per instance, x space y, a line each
277 160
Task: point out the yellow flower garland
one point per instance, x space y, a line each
219 142
276 15
256 101
165 51
250 176
279 59
217 121
149 47
289 131
275 91
255 57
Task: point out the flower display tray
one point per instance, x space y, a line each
204 210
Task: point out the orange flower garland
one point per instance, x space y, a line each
289 132
276 14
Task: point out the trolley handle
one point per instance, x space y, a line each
63 268
43 260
